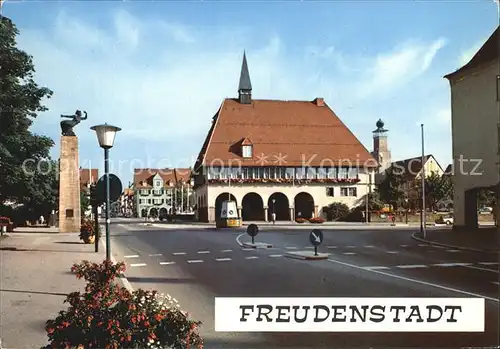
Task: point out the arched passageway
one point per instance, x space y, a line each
153 212
252 207
220 199
304 205
163 212
144 212
278 203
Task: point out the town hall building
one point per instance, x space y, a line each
291 158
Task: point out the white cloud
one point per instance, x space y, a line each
162 82
466 55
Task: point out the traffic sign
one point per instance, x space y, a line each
253 230
316 237
115 188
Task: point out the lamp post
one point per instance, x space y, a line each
106 138
406 214
274 211
423 210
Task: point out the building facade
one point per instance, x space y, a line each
475 107
158 192
126 201
291 158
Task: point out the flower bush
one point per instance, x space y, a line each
87 230
300 220
109 316
296 181
317 220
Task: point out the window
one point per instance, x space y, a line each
348 191
158 183
289 172
247 151
311 173
300 173
332 173
353 172
266 172
330 191
343 173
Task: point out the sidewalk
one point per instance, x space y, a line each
484 239
35 278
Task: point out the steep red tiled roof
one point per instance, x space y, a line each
88 176
283 133
489 52
169 176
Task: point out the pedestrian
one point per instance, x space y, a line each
273 217
42 220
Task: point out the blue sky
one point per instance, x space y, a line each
160 69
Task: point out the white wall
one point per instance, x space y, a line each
475 115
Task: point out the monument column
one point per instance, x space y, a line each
69 186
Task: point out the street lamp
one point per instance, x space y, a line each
274 211
406 206
106 138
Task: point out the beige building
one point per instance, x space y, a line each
410 172
291 158
475 106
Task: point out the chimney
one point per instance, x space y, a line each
320 102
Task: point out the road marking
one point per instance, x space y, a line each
453 251
251 257
488 263
225 251
223 259
331 246
423 245
350 247
411 266
179 253
167 263
403 245
291 247
132 256
275 255
375 268
496 283
392 252
309 247
415 281
451 264
203 252
155 255
369 246
479 268
248 249
138 265
349 253
195 261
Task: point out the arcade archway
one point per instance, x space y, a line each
304 205
144 212
252 207
278 203
220 199
153 212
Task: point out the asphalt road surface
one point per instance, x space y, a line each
195 265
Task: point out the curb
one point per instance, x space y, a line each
430 242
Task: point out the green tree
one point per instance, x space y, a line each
20 103
437 188
336 211
486 197
374 201
390 190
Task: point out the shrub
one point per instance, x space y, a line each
317 220
87 229
300 220
336 211
107 316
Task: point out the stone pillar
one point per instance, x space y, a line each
315 214
211 214
292 214
69 186
471 219
265 214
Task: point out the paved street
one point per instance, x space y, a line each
196 265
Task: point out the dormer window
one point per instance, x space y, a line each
246 148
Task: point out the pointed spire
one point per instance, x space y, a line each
245 84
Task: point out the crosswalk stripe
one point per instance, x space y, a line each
138 265
391 252
223 259
275 255
488 263
496 283
349 253
195 261
411 266
179 253
291 247
167 263
203 252
225 251
453 251
369 246
132 256
251 257
452 264
375 268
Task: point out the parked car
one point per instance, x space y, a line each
445 219
5 221
485 210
